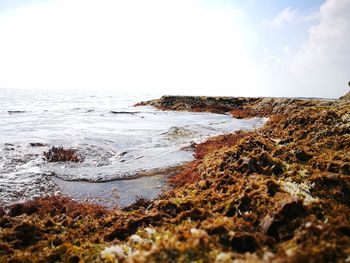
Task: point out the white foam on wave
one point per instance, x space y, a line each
115 146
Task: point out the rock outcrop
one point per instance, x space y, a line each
239 107
345 97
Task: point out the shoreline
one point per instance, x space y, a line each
238 107
120 193
281 193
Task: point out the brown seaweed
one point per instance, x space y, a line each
279 194
59 154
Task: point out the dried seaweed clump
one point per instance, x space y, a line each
60 154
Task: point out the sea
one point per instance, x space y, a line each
124 148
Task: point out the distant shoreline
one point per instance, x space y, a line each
239 107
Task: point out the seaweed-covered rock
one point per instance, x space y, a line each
278 194
26 234
345 97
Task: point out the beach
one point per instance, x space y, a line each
279 193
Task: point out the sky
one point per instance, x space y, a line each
288 48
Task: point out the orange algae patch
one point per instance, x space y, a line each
242 113
219 142
189 173
55 205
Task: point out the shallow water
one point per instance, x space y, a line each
116 140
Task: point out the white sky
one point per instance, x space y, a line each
176 47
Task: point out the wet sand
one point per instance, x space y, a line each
119 193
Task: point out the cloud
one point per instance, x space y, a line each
169 46
286 49
290 16
323 61
287 15
319 67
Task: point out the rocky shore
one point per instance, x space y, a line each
238 107
278 194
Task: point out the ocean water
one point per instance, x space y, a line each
120 143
